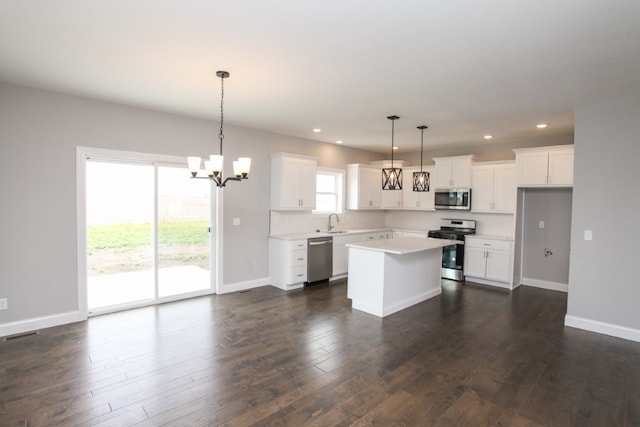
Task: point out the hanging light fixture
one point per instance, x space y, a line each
213 166
421 179
392 177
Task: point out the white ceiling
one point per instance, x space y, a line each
465 68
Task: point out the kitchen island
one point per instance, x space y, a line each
386 276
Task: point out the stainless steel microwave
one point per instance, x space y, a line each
458 198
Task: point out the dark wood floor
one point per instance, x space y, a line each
472 356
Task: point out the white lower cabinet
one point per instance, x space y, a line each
341 252
489 259
287 263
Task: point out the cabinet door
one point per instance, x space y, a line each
498 263
474 262
391 199
461 172
370 188
443 174
504 188
410 198
482 194
339 260
307 185
289 188
532 168
560 167
417 200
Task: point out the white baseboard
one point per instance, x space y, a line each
243 286
38 323
602 328
488 282
545 284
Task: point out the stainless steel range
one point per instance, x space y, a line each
453 256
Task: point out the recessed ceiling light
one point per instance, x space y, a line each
339 141
541 125
488 136
317 130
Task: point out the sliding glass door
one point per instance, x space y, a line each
183 238
147 234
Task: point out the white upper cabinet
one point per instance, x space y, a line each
453 172
293 182
494 187
545 166
390 199
417 200
364 186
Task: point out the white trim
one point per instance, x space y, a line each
38 323
218 239
241 286
545 284
81 229
490 282
602 328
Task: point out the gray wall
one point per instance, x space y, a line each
553 206
603 274
39 133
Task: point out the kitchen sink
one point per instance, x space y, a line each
337 232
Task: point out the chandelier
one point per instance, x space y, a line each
392 177
421 179
213 166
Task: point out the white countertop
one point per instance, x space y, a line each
490 236
298 236
402 245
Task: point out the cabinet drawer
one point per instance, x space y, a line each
298 274
500 245
298 258
298 244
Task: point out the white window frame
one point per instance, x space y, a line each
339 190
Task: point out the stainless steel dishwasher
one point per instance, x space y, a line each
319 259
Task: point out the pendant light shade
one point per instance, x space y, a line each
392 177
213 166
421 179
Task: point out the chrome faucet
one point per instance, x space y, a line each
337 218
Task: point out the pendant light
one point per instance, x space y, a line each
392 177
421 179
213 166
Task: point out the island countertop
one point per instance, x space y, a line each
402 245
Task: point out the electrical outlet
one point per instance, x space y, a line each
541 224
3 303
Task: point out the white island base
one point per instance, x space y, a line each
386 276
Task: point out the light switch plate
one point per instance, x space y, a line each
588 235
3 303
236 221
541 224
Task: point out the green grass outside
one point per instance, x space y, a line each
125 236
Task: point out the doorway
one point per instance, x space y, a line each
146 232
544 223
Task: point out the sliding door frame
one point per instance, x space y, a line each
156 160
